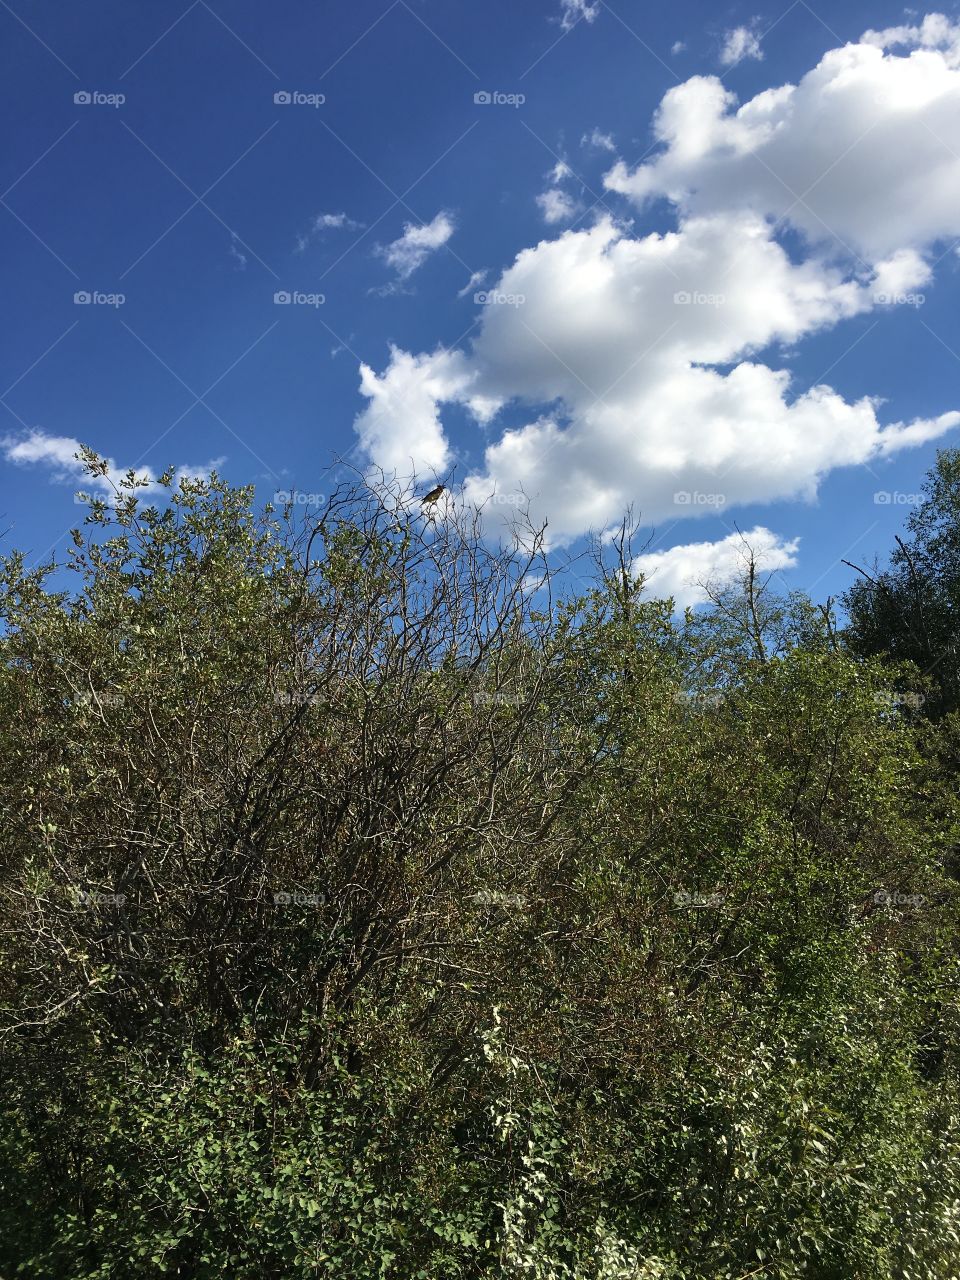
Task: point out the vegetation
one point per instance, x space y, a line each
372 909
911 609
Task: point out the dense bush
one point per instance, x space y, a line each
371 909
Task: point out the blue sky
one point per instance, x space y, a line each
663 283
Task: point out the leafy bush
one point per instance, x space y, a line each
371 908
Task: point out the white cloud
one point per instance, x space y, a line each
235 253
903 272
860 155
400 429
410 251
573 11
685 572
646 365
326 222
602 141
476 279
58 453
556 205
934 32
677 47
740 43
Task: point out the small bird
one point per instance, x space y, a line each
430 498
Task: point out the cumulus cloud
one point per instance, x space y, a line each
574 11
410 251
645 365
903 272
935 32
689 572
619 334
740 43
400 429
860 155
59 454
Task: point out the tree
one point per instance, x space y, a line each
911 609
373 907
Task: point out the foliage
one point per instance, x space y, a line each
371 909
910 610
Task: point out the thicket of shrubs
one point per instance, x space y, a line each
372 906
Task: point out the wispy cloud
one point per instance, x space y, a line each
60 455
476 279
410 251
574 11
602 141
740 43
239 257
326 222
556 206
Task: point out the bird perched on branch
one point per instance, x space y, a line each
430 498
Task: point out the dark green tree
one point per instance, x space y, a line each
911 609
